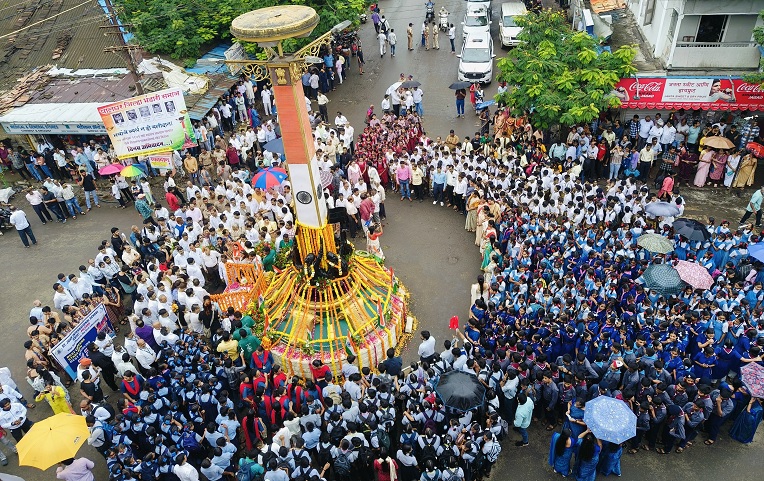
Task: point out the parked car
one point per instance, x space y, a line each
476 58
508 29
477 19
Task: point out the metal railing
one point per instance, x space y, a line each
716 44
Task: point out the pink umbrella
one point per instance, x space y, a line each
694 274
111 169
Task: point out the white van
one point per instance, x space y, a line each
508 29
476 59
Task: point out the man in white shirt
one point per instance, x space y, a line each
18 219
62 297
340 120
426 349
183 470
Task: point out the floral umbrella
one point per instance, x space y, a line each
694 274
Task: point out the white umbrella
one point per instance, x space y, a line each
393 88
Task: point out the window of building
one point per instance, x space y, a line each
649 12
711 28
672 24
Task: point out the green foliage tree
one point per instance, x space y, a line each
180 27
557 73
758 37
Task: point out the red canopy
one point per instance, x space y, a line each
673 93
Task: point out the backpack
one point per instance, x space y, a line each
383 438
108 407
342 465
324 456
504 428
429 423
448 475
245 472
429 452
477 464
268 455
365 457
338 432
189 442
108 433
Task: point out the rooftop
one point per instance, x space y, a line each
68 35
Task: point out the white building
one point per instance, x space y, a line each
701 35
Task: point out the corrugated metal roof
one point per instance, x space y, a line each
72 39
59 113
199 105
84 90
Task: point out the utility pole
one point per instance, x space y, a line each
114 27
132 66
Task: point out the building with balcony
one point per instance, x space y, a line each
701 36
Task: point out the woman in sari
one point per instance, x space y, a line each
472 211
733 162
588 456
746 423
354 172
610 459
482 218
745 172
718 167
575 417
561 451
489 234
704 166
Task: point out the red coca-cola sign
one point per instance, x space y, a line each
668 93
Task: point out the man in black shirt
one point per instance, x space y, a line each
393 363
49 199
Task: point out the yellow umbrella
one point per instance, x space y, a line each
52 440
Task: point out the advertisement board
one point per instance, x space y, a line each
148 124
74 346
670 93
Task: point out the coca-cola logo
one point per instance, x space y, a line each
746 87
646 87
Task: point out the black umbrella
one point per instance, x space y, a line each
691 229
460 391
459 85
410 84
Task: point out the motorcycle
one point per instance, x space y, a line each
5 219
430 12
346 43
443 25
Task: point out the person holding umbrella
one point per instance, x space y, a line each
754 206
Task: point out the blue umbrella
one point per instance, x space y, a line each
757 251
276 146
610 419
460 391
485 104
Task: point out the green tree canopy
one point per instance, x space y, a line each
180 27
758 37
557 73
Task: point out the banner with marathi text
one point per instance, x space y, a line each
74 346
161 161
148 124
673 93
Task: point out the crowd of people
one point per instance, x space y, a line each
561 313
